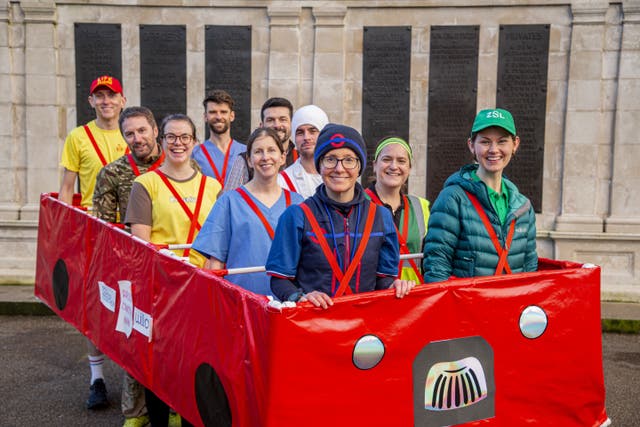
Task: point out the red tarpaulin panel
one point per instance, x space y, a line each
521 349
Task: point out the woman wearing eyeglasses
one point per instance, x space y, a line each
392 166
336 242
168 206
239 229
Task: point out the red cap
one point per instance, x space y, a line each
108 82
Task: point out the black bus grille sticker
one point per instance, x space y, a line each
453 382
452 385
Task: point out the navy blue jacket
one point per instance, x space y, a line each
296 261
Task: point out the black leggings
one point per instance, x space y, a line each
159 411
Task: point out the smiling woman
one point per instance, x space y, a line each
155 217
392 166
239 230
321 246
480 224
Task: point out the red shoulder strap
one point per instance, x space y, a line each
219 177
153 167
287 197
196 214
402 236
345 278
193 217
133 165
503 265
286 178
373 196
95 145
257 211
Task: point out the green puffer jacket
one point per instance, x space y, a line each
457 243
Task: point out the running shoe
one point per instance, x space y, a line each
98 395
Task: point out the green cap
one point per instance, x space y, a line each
494 117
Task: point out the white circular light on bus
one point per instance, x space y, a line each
533 321
368 352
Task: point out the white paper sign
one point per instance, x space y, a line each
125 314
142 322
107 296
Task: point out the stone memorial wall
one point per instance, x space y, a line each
567 70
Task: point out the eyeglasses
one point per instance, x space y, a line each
184 138
347 162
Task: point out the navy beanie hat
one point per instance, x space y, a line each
334 136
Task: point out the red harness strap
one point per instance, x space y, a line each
219 177
258 212
193 216
153 167
95 146
288 181
402 236
503 264
345 278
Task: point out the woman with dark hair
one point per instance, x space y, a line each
392 166
155 216
480 224
239 230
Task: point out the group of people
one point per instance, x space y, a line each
296 207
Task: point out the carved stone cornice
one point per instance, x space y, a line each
631 11
284 16
39 11
4 11
329 16
589 12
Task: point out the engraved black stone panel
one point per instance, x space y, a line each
98 50
386 86
522 89
453 83
228 67
163 69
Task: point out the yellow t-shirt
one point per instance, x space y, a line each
170 224
79 155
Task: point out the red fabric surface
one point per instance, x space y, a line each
294 367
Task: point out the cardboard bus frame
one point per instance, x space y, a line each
521 349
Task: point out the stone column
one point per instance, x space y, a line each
284 52
625 187
589 124
12 162
329 61
41 121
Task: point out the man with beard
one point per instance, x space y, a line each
275 114
86 150
110 199
302 177
216 155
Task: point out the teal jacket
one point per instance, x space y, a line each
457 243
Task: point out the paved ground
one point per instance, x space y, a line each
45 376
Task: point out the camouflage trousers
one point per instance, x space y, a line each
133 404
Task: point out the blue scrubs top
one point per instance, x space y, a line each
234 234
